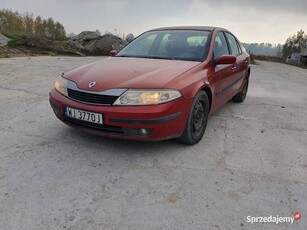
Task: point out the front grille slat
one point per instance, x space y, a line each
91 97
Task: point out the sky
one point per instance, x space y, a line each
271 21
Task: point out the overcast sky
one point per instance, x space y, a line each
250 20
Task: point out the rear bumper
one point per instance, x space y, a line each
163 121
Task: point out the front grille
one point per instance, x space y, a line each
91 97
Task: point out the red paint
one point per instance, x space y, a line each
188 77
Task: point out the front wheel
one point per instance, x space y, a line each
197 120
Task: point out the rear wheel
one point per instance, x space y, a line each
240 97
197 120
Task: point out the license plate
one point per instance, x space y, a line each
84 115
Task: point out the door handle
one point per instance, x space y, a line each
234 67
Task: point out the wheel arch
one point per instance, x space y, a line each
208 91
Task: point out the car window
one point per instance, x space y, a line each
187 45
233 45
220 46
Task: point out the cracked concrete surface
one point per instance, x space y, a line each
251 161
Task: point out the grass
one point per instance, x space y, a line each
14 38
252 59
267 58
303 66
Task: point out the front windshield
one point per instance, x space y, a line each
187 45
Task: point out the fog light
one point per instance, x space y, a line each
143 132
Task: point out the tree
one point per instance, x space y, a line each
71 35
129 37
3 21
59 31
295 44
50 28
39 27
266 49
14 23
28 23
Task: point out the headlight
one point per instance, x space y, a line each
61 86
147 97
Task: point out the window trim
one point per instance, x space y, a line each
237 43
222 32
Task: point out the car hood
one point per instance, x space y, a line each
124 72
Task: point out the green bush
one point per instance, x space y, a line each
268 58
14 38
252 59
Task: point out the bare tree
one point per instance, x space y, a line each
15 23
28 23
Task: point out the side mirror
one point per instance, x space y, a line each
113 53
225 59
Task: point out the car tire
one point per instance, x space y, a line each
240 97
197 120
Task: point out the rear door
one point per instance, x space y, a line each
239 67
223 75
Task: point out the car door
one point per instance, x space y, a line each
223 75
240 66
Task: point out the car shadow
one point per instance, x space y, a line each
120 146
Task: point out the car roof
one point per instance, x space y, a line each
204 28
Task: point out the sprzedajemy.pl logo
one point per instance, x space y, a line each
273 219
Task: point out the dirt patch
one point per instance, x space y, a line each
6 52
34 45
102 45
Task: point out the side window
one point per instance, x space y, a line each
233 45
220 46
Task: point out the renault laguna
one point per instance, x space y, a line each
164 84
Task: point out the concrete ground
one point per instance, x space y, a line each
252 160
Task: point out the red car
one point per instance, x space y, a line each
162 85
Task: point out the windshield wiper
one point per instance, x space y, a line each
149 57
155 57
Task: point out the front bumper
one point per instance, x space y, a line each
163 121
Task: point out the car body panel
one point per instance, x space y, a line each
170 128
168 120
120 72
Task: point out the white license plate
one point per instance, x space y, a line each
84 115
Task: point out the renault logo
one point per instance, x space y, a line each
92 84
